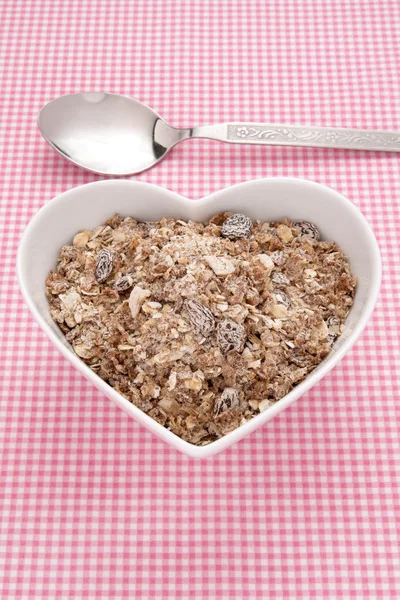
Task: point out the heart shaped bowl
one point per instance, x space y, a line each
90 205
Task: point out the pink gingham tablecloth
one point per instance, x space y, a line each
94 506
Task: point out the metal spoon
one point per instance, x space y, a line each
112 134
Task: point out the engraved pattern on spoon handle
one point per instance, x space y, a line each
322 137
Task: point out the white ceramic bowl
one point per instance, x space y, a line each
90 205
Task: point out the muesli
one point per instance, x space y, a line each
201 325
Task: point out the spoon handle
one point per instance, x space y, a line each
296 135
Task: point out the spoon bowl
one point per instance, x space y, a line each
108 134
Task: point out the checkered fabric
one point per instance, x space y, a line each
93 505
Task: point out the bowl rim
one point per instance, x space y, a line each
236 435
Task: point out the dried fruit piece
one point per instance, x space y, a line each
228 399
104 265
231 336
300 360
201 316
333 324
191 422
169 405
171 383
308 229
278 257
264 404
194 383
310 273
284 232
124 283
266 261
278 311
136 299
237 227
283 298
84 351
70 299
223 306
220 265
279 278
152 308
322 331
81 239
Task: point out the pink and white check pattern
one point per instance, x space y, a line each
94 506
